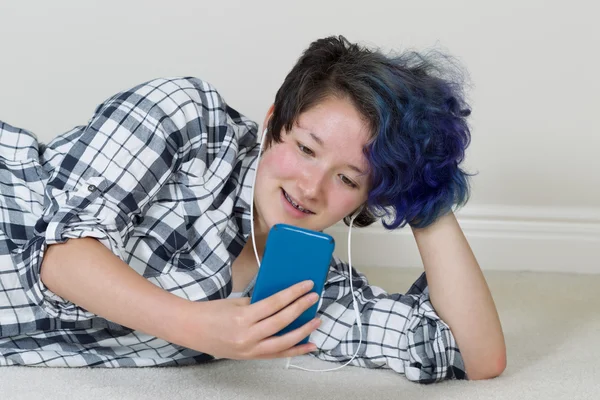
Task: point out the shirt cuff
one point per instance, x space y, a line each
81 212
433 354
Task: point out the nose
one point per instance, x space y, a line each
311 183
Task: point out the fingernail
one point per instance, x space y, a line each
308 284
313 298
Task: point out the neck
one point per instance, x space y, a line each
260 234
248 250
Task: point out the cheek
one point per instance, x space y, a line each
279 162
344 204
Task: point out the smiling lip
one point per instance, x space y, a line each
291 207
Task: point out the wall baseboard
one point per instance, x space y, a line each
508 238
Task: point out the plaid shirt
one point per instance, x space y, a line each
161 175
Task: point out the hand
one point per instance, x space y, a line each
235 329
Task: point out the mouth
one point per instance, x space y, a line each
295 204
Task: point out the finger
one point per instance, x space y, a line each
293 352
273 324
279 344
272 304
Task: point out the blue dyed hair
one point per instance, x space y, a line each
415 108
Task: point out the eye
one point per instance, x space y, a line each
305 150
348 182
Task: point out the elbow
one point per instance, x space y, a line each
48 266
55 256
492 367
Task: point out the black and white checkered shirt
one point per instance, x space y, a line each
161 175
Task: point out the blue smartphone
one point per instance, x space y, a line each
293 255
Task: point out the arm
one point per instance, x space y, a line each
461 297
400 331
86 273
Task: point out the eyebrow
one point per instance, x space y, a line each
320 142
317 139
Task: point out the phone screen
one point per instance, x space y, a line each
293 255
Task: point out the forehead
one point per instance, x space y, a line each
340 127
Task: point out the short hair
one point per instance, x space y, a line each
415 108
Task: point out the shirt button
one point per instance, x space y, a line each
92 188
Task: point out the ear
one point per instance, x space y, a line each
268 116
357 211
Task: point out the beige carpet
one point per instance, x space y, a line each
551 324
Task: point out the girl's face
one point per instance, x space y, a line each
318 174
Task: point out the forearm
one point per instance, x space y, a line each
86 273
461 297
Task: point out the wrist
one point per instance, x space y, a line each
185 321
437 225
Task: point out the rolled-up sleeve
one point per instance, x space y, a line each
399 331
112 169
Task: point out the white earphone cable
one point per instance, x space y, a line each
358 321
260 148
356 312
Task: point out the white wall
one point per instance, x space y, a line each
533 66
